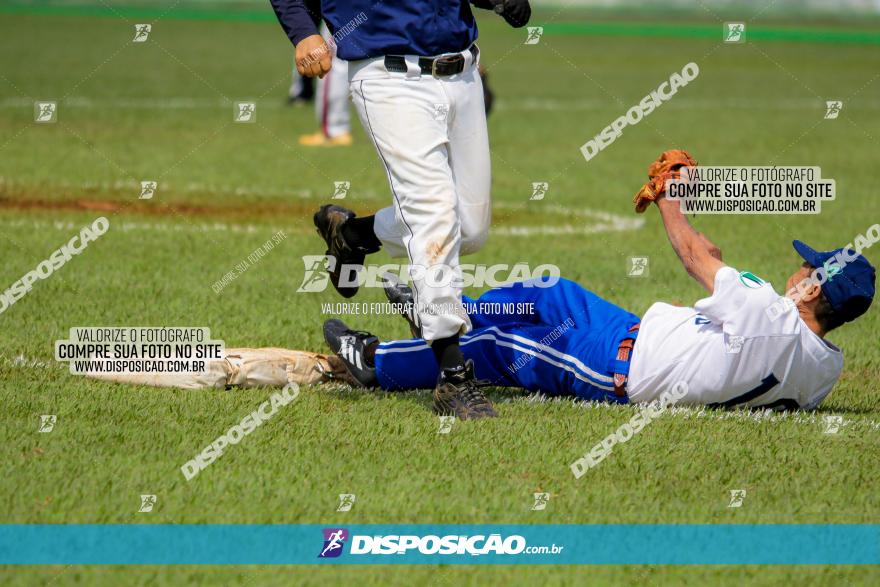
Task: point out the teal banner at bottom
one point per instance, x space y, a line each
415 544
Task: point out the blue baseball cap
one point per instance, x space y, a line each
849 283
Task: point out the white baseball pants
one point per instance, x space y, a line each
430 133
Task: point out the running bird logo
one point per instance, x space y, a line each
346 501
141 32
833 424
245 112
316 276
148 190
446 423
832 109
340 189
533 35
441 112
539 190
638 266
737 496
735 32
147 503
334 540
734 343
541 500
47 422
45 112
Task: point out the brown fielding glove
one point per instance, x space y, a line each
667 166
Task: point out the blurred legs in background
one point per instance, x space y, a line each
331 106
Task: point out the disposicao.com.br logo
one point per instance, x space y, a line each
317 276
334 540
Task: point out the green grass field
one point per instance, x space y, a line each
162 110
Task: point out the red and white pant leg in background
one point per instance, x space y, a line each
331 97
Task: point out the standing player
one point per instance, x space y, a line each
744 345
415 84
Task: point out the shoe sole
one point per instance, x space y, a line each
322 217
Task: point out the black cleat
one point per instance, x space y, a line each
329 220
458 394
401 298
350 346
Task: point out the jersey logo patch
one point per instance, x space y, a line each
700 321
750 280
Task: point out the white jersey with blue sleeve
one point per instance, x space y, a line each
745 345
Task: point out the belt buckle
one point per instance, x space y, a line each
447 59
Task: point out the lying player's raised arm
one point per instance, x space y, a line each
700 257
712 247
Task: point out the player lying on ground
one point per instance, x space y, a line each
744 345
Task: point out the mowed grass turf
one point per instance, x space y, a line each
162 110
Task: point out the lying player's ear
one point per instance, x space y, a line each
811 292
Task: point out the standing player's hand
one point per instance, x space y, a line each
515 12
313 57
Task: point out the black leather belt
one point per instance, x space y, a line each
443 66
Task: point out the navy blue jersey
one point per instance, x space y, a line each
366 28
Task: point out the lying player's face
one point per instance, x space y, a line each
805 271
